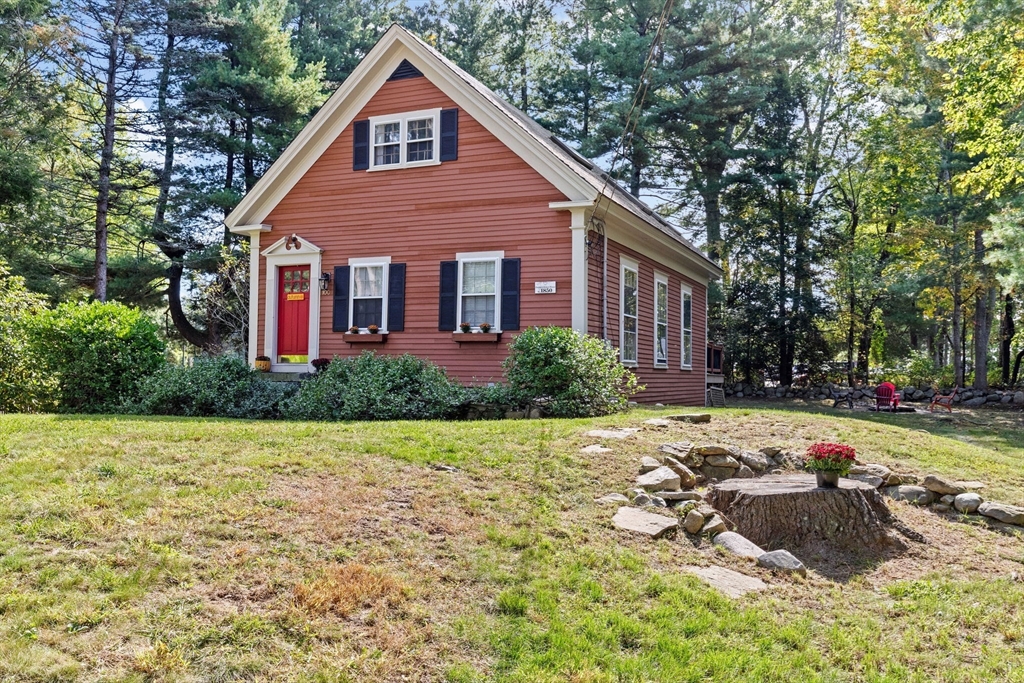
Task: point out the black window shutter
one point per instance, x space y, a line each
449 134
396 297
360 145
510 294
447 314
340 321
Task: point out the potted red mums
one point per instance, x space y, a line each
829 461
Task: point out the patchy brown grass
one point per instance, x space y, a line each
340 589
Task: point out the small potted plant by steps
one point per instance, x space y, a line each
485 327
465 327
262 363
829 461
320 364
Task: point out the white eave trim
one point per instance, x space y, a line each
250 229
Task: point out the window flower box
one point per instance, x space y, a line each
365 338
476 337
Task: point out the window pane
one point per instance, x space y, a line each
629 346
386 154
420 129
387 132
629 324
478 277
662 343
420 151
366 312
687 313
368 281
687 348
629 303
662 302
478 309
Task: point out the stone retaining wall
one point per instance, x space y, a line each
967 397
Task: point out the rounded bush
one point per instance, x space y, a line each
23 385
377 387
97 353
224 386
577 374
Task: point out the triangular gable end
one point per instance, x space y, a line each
405 70
291 244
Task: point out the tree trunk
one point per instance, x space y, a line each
106 164
1007 329
956 342
981 339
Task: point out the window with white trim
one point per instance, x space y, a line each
660 321
403 140
369 290
479 302
630 281
687 326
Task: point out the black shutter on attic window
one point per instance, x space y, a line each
510 294
449 134
404 70
396 297
447 313
340 317
360 145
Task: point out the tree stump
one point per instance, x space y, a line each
790 511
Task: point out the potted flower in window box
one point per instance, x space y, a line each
485 327
354 329
465 328
372 329
829 461
262 363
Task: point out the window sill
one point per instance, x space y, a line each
395 167
661 366
367 338
629 363
476 337
686 367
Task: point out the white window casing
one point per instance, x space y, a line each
660 321
629 311
368 285
686 326
405 140
479 289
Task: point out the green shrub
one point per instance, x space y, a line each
579 374
98 353
224 386
377 387
23 385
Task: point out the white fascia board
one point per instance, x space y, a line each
357 90
651 242
251 229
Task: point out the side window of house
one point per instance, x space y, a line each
479 288
418 138
368 292
478 296
630 280
687 327
661 321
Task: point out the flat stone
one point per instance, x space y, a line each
868 479
941 486
1007 514
691 417
738 545
659 502
770 451
967 502
1018 398
880 471
675 496
658 422
895 479
947 500
643 522
596 448
744 472
712 449
648 464
661 479
721 461
975 402
687 479
755 461
918 495
612 498
941 508
782 561
684 452
717 472
623 433
693 522
732 584
714 525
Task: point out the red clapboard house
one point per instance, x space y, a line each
417 200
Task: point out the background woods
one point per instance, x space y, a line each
855 166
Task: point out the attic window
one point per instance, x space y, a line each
404 140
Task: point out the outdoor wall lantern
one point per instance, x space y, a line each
325 282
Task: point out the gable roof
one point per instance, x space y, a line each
399 49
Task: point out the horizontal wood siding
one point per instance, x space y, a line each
487 200
671 385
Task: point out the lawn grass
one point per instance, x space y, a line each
137 549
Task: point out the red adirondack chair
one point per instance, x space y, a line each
943 401
886 397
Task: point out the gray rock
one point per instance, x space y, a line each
712 449
941 486
880 471
1006 398
691 417
895 479
721 461
535 413
1007 514
687 479
1018 398
661 479
975 402
782 561
717 472
684 452
744 472
693 522
868 479
642 522
941 508
658 422
967 502
918 495
676 496
596 448
738 545
947 500
731 583
623 433
714 525
771 451
755 461
613 498
659 502
648 464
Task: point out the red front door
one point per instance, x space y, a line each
293 314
